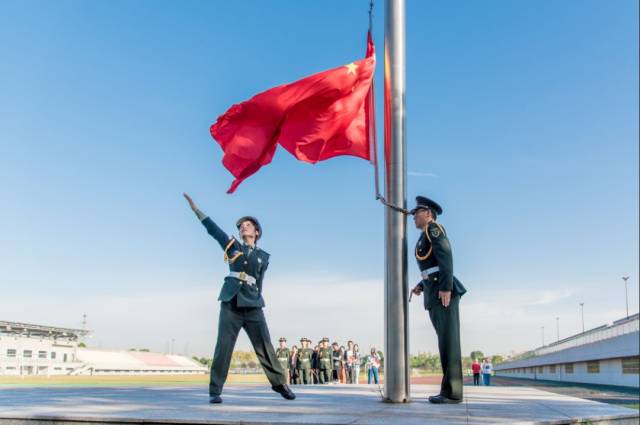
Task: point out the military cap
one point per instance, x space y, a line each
426 203
325 339
283 339
303 339
253 220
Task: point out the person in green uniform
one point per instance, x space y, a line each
283 353
241 304
325 361
304 362
442 292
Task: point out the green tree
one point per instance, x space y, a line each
476 355
82 345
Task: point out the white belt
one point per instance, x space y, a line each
242 276
429 271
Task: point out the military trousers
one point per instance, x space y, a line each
232 319
304 376
325 376
446 322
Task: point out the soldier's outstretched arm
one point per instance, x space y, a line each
212 228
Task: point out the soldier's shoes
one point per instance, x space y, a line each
284 391
440 399
215 399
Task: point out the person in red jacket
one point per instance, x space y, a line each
475 368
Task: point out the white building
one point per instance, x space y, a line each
27 349
608 355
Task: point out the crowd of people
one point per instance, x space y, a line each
327 363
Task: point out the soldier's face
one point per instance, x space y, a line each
248 229
421 218
283 344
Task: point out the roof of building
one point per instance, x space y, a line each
29 329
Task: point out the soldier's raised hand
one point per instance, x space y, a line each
190 201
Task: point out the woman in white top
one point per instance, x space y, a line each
487 370
357 359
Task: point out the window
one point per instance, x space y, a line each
593 366
552 369
568 368
42 354
631 365
532 370
53 355
540 369
27 354
11 352
64 357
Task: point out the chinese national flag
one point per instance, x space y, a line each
316 118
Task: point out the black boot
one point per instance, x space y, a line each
284 391
440 399
215 399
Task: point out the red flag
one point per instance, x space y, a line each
316 118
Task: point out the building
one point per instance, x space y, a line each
608 355
27 349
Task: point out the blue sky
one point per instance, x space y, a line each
522 121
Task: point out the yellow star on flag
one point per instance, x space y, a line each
351 68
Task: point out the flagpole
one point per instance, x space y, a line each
396 360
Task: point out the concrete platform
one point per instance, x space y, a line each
334 404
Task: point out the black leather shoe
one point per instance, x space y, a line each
440 399
284 391
215 399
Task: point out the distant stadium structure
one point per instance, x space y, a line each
608 355
27 349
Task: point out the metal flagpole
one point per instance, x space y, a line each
396 360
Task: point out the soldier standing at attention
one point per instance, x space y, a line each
283 353
442 292
304 362
325 361
241 304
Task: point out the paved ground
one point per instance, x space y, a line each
335 404
621 396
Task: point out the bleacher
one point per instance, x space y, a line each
107 362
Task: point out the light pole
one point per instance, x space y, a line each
626 294
582 311
558 327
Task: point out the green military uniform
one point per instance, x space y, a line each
283 353
304 364
435 260
325 363
241 307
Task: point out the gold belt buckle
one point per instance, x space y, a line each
243 276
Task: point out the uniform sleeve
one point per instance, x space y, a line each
442 253
259 280
217 233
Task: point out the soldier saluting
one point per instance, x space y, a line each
241 304
442 292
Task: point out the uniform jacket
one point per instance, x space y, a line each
433 249
304 358
253 263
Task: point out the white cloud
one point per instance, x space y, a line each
312 306
421 174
